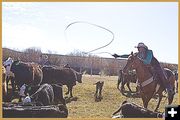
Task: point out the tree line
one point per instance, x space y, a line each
87 64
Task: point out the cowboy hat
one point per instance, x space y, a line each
141 44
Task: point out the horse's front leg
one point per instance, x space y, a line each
122 86
159 101
146 100
118 85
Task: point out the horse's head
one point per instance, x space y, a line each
132 62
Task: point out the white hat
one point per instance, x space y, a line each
141 44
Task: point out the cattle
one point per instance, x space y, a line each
58 94
98 93
44 92
131 110
64 76
26 73
126 79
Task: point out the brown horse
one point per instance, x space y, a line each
148 86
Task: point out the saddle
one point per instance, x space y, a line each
157 78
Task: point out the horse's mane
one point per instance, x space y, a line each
135 54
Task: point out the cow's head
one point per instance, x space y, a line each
14 64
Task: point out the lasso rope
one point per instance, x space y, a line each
93 25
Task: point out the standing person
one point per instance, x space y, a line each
147 57
43 60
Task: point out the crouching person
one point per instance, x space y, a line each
43 95
21 92
46 94
131 110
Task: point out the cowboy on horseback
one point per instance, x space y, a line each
147 57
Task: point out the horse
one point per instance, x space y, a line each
148 86
125 79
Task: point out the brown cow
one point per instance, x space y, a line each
26 73
64 76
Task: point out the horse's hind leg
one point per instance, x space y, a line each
170 99
159 101
119 81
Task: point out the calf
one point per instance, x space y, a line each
131 110
98 93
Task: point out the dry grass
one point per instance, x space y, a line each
86 107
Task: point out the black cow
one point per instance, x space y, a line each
131 110
64 76
46 94
26 73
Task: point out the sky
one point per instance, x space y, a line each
42 25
